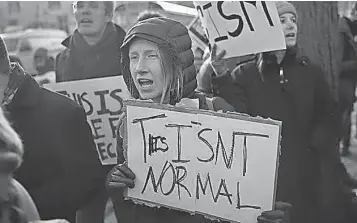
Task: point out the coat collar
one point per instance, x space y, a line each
28 94
67 42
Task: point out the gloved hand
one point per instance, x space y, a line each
218 63
120 177
204 77
281 214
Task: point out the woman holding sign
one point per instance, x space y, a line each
156 54
285 85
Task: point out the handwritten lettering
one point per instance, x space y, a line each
205 13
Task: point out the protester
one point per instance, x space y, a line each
16 205
156 51
44 65
189 79
61 168
348 75
93 49
286 86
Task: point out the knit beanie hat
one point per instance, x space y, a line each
168 34
4 58
11 148
285 7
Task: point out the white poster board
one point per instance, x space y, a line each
102 100
222 166
242 27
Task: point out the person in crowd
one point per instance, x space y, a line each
44 65
157 49
61 168
93 49
284 85
348 75
148 15
16 205
190 82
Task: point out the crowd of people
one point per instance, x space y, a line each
49 166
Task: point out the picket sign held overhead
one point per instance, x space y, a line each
242 27
223 166
102 100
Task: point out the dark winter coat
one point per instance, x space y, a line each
348 75
81 61
297 94
61 168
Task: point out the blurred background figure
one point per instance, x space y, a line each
348 76
148 15
44 65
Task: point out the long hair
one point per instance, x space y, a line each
173 77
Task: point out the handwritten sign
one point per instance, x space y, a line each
102 100
242 27
220 165
197 33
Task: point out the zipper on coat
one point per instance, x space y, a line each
283 80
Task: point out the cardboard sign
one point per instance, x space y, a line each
102 100
242 27
222 166
197 33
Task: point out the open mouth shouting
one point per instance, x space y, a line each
145 83
86 21
290 35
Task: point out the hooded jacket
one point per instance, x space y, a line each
174 37
296 93
166 33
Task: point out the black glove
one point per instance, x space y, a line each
279 215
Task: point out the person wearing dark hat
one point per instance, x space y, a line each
285 85
61 168
156 54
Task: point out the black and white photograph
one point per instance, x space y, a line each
178 111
